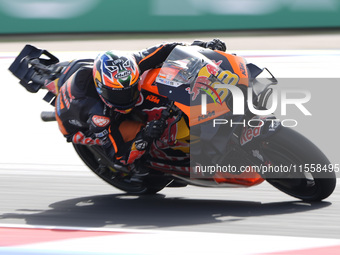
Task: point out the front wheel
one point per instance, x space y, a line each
310 177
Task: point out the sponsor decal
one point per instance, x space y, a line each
208 115
213 69
102 134
243 69
100 121
123 74
53 86
249 133
80 138
203 83
161 79
65 99
215 83
153 99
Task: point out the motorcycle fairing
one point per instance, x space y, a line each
265 127
188 72
173 146
251 138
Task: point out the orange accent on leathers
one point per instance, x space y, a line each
112 140
60 124
153 53
129 129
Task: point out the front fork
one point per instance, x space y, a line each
248 140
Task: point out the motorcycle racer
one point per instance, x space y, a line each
167 95
93 104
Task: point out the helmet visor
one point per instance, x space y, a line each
121 98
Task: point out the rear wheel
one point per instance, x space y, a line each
310 177
119 180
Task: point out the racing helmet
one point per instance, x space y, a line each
116 77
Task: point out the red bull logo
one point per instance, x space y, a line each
203 83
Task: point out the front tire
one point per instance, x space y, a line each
289 148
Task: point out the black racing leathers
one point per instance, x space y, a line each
84 118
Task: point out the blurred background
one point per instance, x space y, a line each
116 19
61 16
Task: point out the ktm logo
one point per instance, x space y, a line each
153 99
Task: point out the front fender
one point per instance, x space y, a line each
257 129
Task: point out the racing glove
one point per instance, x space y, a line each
152 131
81 138
215 44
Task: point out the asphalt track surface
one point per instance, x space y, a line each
43 182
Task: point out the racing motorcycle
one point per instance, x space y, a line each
192 92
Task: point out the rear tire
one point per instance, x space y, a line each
120 181
289 148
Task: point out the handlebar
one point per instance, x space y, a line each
48 116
